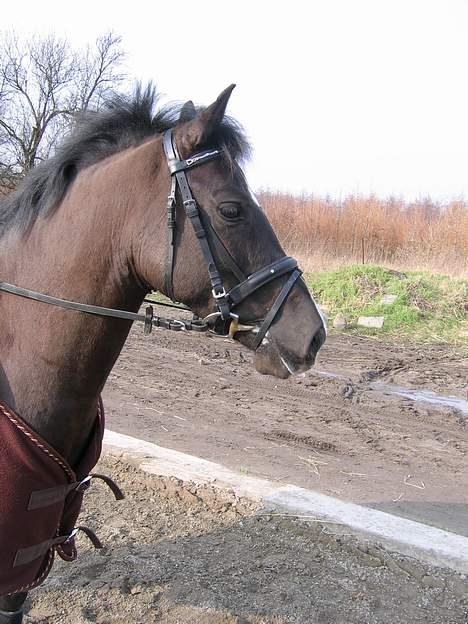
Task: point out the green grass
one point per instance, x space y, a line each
428 308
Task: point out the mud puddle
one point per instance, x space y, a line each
424 395
415 394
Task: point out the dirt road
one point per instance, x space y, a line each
339 429
180 554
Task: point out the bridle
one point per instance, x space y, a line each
226 301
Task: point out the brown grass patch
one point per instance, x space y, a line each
326 234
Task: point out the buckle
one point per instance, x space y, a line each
191 209
219 295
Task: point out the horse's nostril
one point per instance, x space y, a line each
316 342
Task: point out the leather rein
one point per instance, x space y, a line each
225 301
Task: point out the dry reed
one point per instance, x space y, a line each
325 233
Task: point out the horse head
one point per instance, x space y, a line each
224 261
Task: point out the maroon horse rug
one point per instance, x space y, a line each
41 497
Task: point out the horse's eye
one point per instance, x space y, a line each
230 210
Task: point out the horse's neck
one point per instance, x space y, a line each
54 362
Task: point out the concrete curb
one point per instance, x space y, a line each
414 539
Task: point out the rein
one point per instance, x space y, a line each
225 301
149 319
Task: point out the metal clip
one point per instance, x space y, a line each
72 535
84 485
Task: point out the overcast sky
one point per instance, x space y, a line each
337 96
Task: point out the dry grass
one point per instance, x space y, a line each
326 234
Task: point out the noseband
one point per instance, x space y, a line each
225 301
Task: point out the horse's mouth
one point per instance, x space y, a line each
270 360
273 359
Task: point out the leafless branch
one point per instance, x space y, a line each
43 83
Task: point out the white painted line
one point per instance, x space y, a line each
166 462
414 539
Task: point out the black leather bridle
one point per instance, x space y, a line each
225 301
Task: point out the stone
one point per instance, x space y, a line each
136 589
339 322
433 581
371 321
388 299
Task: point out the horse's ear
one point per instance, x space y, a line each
199 131
187 112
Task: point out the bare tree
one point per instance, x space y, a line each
43 83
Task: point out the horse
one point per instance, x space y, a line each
135 200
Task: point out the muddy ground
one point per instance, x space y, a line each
183 554
347 436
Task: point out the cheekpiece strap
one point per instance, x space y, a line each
177 167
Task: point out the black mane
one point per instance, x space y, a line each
125 121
